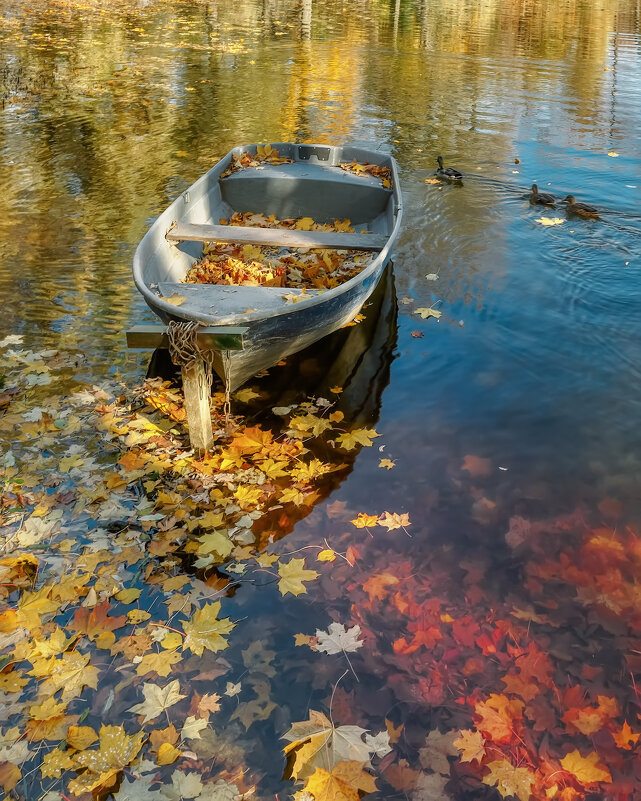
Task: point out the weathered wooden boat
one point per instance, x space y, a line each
311 184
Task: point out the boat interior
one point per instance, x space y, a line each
311 184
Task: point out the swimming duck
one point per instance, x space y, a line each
448 172
543 198
582 209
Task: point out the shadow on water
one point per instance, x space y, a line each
357 359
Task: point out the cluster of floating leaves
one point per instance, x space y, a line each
253 265
127 671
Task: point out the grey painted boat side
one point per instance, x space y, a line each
277 327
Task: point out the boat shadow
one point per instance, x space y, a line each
357 359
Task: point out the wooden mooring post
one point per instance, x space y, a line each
195 387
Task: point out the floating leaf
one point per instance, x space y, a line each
157 699
549 221
292 575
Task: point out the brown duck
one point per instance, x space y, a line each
543 198
581 209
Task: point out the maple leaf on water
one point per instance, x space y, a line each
471 744
70 673
316 743
363 520
101 767
586 769
392 520
338 638
93 622
497 716
292 575
157 699
345 782
510 781
358 436
206 630
625 738
426 312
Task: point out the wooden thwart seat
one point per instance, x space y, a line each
275 237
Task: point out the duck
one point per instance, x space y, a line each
543 198
582 209
448 173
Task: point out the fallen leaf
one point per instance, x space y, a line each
549 220
176 299
338 638
157 699
586 769
292 575
426 312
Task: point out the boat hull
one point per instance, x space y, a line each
278 324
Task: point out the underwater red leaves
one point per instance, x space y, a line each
497 716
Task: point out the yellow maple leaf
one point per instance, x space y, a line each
117 750
585 769
428 311
33 606
387 463
358 436
304 224
471 744
432 181
326 555
205 630
549 221
510 781
71 673
292 575
54 763
345 782
160 663
363 520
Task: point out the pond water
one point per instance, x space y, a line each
508 606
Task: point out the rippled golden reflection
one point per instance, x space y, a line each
112 108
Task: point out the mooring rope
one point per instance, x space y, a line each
184 349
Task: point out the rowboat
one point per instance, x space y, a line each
301 183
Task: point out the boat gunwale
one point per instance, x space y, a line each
319 296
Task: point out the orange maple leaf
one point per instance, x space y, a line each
376 586
625 738
93 622
251 440
497 716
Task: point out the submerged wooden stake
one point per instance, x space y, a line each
195 386
197 405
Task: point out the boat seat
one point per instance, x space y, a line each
275 237
205 300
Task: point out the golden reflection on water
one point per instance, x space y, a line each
112 108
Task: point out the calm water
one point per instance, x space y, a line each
111 110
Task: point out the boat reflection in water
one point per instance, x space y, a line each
356 358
